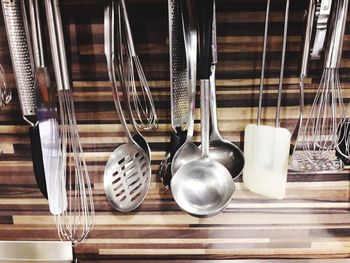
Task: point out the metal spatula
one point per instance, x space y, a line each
266 148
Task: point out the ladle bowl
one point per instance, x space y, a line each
202 187
229 155
188 152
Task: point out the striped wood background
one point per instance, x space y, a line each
313 221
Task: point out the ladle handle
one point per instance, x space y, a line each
214 60
205 18
205 15
205 87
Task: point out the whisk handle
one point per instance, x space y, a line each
128 29
335 44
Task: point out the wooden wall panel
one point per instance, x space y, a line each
313 221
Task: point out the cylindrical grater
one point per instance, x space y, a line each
179 87
21 55
178 67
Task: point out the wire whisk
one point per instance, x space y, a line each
76 221
136 82
320 135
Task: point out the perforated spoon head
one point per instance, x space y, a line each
127 177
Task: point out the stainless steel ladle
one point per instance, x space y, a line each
203 187
221 150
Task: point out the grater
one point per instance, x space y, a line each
21 55
181 93
178 67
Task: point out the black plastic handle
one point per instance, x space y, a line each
205 21
37 158
177 139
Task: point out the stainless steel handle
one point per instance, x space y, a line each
214 51
128 29
61 45
322 9
263 60
307 39
36 33
284 45
205 93
109 21
214 43
53 44
57 44
335 47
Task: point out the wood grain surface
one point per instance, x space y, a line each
312 222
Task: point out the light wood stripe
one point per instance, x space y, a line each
176 240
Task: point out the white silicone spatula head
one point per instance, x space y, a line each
266 151
266 148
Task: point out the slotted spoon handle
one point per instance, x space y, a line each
109 30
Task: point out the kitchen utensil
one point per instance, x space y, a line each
5 90
47 116
320 135
303 73
75 223
127 173
266 148
118 57
221 150
343 147
322 10
23 67
143 105
203 187
188 151
179 88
